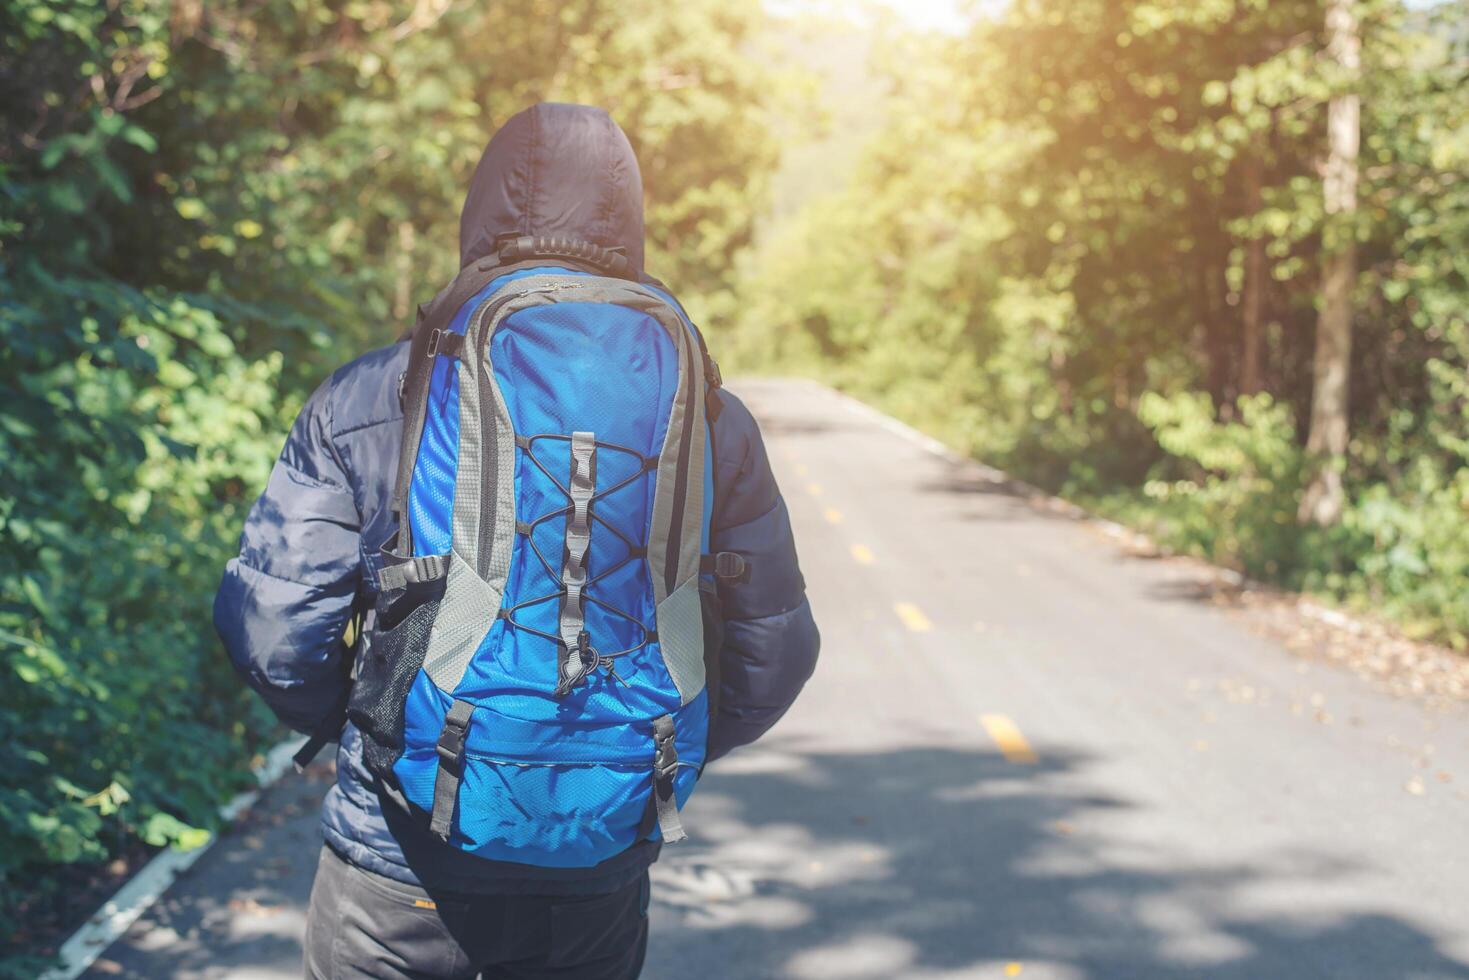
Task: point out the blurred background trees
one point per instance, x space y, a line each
1201 265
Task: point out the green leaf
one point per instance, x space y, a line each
139 137
161 829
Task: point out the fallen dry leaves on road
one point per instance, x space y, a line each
1372 649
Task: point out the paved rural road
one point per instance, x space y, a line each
1024 754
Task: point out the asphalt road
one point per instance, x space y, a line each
1024 754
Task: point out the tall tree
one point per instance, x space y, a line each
1250 370
1325 497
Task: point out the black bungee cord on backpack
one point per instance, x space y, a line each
573 670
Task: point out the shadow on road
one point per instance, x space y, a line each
912 863
942 862
958 478
792 425
241 910
999 497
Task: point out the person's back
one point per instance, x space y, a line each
392 896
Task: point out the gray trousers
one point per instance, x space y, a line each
364 925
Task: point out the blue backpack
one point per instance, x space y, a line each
539 677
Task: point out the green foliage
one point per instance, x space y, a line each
1228 491
131 423
204 208
1045 258
130 427
1411 550
1225 490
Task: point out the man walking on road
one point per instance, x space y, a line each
394 896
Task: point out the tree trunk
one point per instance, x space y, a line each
1214 324
1254 298
1326 446
403 291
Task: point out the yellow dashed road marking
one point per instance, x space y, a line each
1012 744
802 469
862 554
912 617
814 489
832 515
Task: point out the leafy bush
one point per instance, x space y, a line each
1410 551
130 428
1226 490
204 208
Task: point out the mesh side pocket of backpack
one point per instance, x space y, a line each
376 708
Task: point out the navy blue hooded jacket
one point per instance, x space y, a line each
308 555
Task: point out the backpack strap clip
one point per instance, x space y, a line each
450 750
726 566
445 342
665 767
713 381
399 572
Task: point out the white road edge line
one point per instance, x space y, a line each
129 902
932 445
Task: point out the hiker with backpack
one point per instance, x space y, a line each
572 578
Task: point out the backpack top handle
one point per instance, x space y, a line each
521 248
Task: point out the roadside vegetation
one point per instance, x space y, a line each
1203 267
204 208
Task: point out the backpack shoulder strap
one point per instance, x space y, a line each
434 318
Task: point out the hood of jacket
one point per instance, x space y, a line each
556 169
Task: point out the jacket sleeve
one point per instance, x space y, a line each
285 601
770 637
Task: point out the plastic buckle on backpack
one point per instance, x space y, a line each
434 339
665 756
731 567
589 655
451 742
